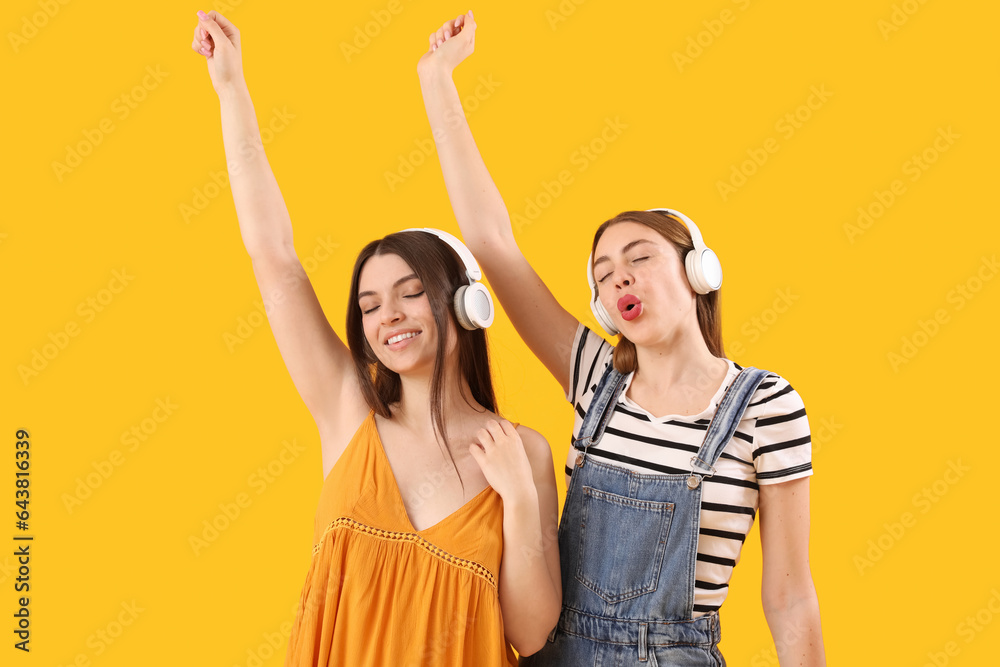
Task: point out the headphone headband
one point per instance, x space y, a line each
693 228
472 271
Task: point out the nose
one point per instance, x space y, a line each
390 313
623 279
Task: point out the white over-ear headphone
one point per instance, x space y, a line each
473 303
704 271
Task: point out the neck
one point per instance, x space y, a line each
680 360
414 407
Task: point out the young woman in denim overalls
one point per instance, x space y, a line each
628 540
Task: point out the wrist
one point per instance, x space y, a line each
433 70
232 89
523 497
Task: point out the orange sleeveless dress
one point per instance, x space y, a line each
379 592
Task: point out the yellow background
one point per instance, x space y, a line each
558 72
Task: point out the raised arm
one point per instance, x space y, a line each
319 363
545 326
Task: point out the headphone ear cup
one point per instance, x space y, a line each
704 271
478 305
692 268
474 306
460 313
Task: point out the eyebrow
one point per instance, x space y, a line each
629 246
396 284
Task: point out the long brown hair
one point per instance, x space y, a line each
708 307
440 270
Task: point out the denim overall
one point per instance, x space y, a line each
627 548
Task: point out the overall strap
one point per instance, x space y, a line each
723 425
609 387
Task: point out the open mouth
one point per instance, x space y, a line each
399 338
630 307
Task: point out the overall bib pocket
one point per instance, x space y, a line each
622 541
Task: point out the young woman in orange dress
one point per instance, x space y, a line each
428 545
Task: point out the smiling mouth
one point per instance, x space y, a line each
402 336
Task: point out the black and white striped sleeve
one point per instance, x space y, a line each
782 446
590 356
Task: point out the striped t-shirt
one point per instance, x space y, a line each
771 445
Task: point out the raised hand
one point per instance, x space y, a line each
500 454
452 43
218 40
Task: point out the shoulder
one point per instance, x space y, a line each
535 446
774 396
539 455
782 442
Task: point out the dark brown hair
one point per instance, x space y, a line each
441 271
708 307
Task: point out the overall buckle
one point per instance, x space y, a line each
698 466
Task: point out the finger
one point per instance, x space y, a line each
484 437
496 430
214 31
223 22
200 47
477 453
508 428
199 37
228 29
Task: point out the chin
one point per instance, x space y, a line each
646 333
412 366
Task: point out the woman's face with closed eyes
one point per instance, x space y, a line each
641 282
396 316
